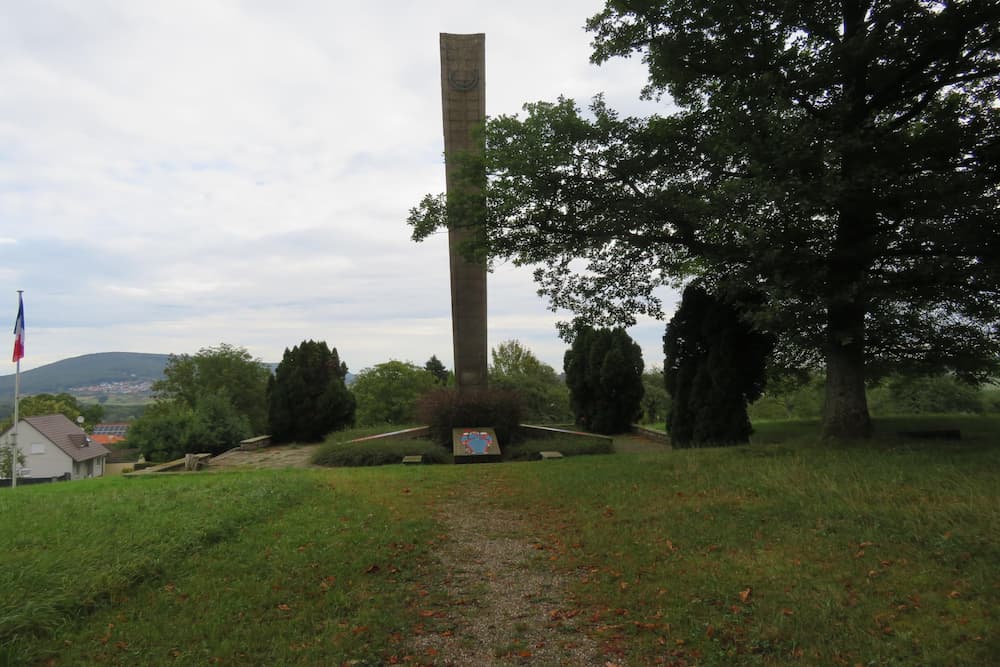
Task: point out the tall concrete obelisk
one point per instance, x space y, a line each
463 103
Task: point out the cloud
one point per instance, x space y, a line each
174 175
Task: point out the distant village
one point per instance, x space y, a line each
120 387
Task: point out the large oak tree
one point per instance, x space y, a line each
841 158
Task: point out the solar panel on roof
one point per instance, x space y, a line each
110 429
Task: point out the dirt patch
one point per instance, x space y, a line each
507 606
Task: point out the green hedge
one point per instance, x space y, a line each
567 446
378 452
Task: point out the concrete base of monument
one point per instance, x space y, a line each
475 444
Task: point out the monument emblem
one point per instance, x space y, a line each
463 70
475 445
476 442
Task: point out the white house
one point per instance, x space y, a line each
54 447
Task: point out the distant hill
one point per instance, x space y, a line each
89 369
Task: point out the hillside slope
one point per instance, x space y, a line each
88 369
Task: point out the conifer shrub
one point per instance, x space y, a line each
715 366
604 373
446 409
307 396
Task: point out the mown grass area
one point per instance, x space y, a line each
791 552
245 568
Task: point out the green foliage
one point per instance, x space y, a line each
544 396
604 374
896 395
6 457
171 429
205 402
446 409
913 395
57 404
839 157
655 399
437 369
990 397
307 397
715 365
223 370
378 452
123 412
387 393
529 450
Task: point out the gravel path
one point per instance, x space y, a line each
507 605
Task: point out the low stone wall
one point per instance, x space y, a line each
259 442
551 432
651 433
405 434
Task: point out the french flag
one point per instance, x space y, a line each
19 331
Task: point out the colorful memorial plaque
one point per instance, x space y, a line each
475 445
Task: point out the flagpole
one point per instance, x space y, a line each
17 399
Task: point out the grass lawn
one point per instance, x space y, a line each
784 552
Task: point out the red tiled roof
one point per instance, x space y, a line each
106 439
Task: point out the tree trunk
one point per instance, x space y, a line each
845 409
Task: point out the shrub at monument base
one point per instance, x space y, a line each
341 450
446 409
529 450
378 452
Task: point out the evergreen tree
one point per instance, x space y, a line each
715 365
308 397
437 369
604 374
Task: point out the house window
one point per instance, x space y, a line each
38 448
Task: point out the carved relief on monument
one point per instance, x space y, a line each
463 70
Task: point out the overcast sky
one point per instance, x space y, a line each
178 174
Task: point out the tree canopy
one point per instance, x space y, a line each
544 395
437 369
307 397
206 402
387 393
222 370
840 158
53 404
